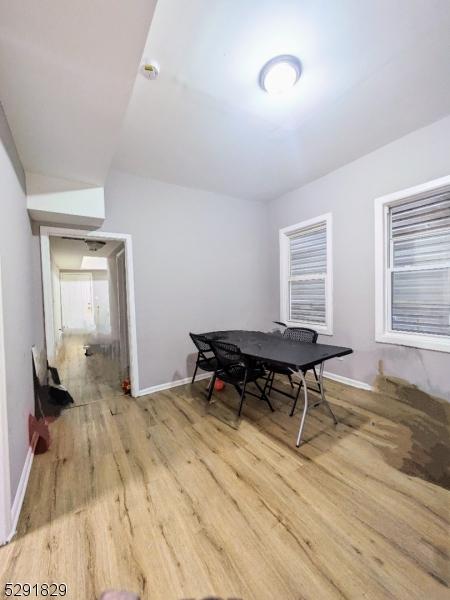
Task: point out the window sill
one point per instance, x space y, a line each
412 340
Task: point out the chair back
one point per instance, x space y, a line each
280 323
226 354
301 334
200 343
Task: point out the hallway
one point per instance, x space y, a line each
89 378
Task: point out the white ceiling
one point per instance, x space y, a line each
372 71
67 69
68 253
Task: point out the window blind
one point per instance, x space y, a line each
420 265
307 275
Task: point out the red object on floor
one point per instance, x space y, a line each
219 385
39 426
126 386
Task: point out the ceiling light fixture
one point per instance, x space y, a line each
280 74
94 245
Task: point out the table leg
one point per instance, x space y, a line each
322 394
305 409
306 405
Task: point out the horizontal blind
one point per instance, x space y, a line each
307 275
421 216
420 263
421 301
423 250
307 301
308 251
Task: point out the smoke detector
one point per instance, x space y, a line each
94 245
151 70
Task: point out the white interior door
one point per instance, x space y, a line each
102 315
77 302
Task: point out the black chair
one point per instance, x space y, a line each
296 334
234 368
206 360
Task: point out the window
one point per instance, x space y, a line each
306 274
412 251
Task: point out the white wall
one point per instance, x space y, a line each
349 194
22 299
200 263
75 207
37 184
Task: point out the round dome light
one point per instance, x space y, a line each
280 74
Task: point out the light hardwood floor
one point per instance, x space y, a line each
157 496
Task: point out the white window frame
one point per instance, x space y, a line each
383 330
284 235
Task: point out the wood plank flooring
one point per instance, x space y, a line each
157 496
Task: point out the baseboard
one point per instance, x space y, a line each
362 385
22 487
171 384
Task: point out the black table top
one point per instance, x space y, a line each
273 347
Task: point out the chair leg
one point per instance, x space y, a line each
211 386
242 399
291 414
264 397
271 383
267 381
195 372
290 381
315 375
318 385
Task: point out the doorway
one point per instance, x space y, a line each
89 311
88 290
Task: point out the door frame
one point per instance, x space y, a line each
45 234
122 251
5 482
